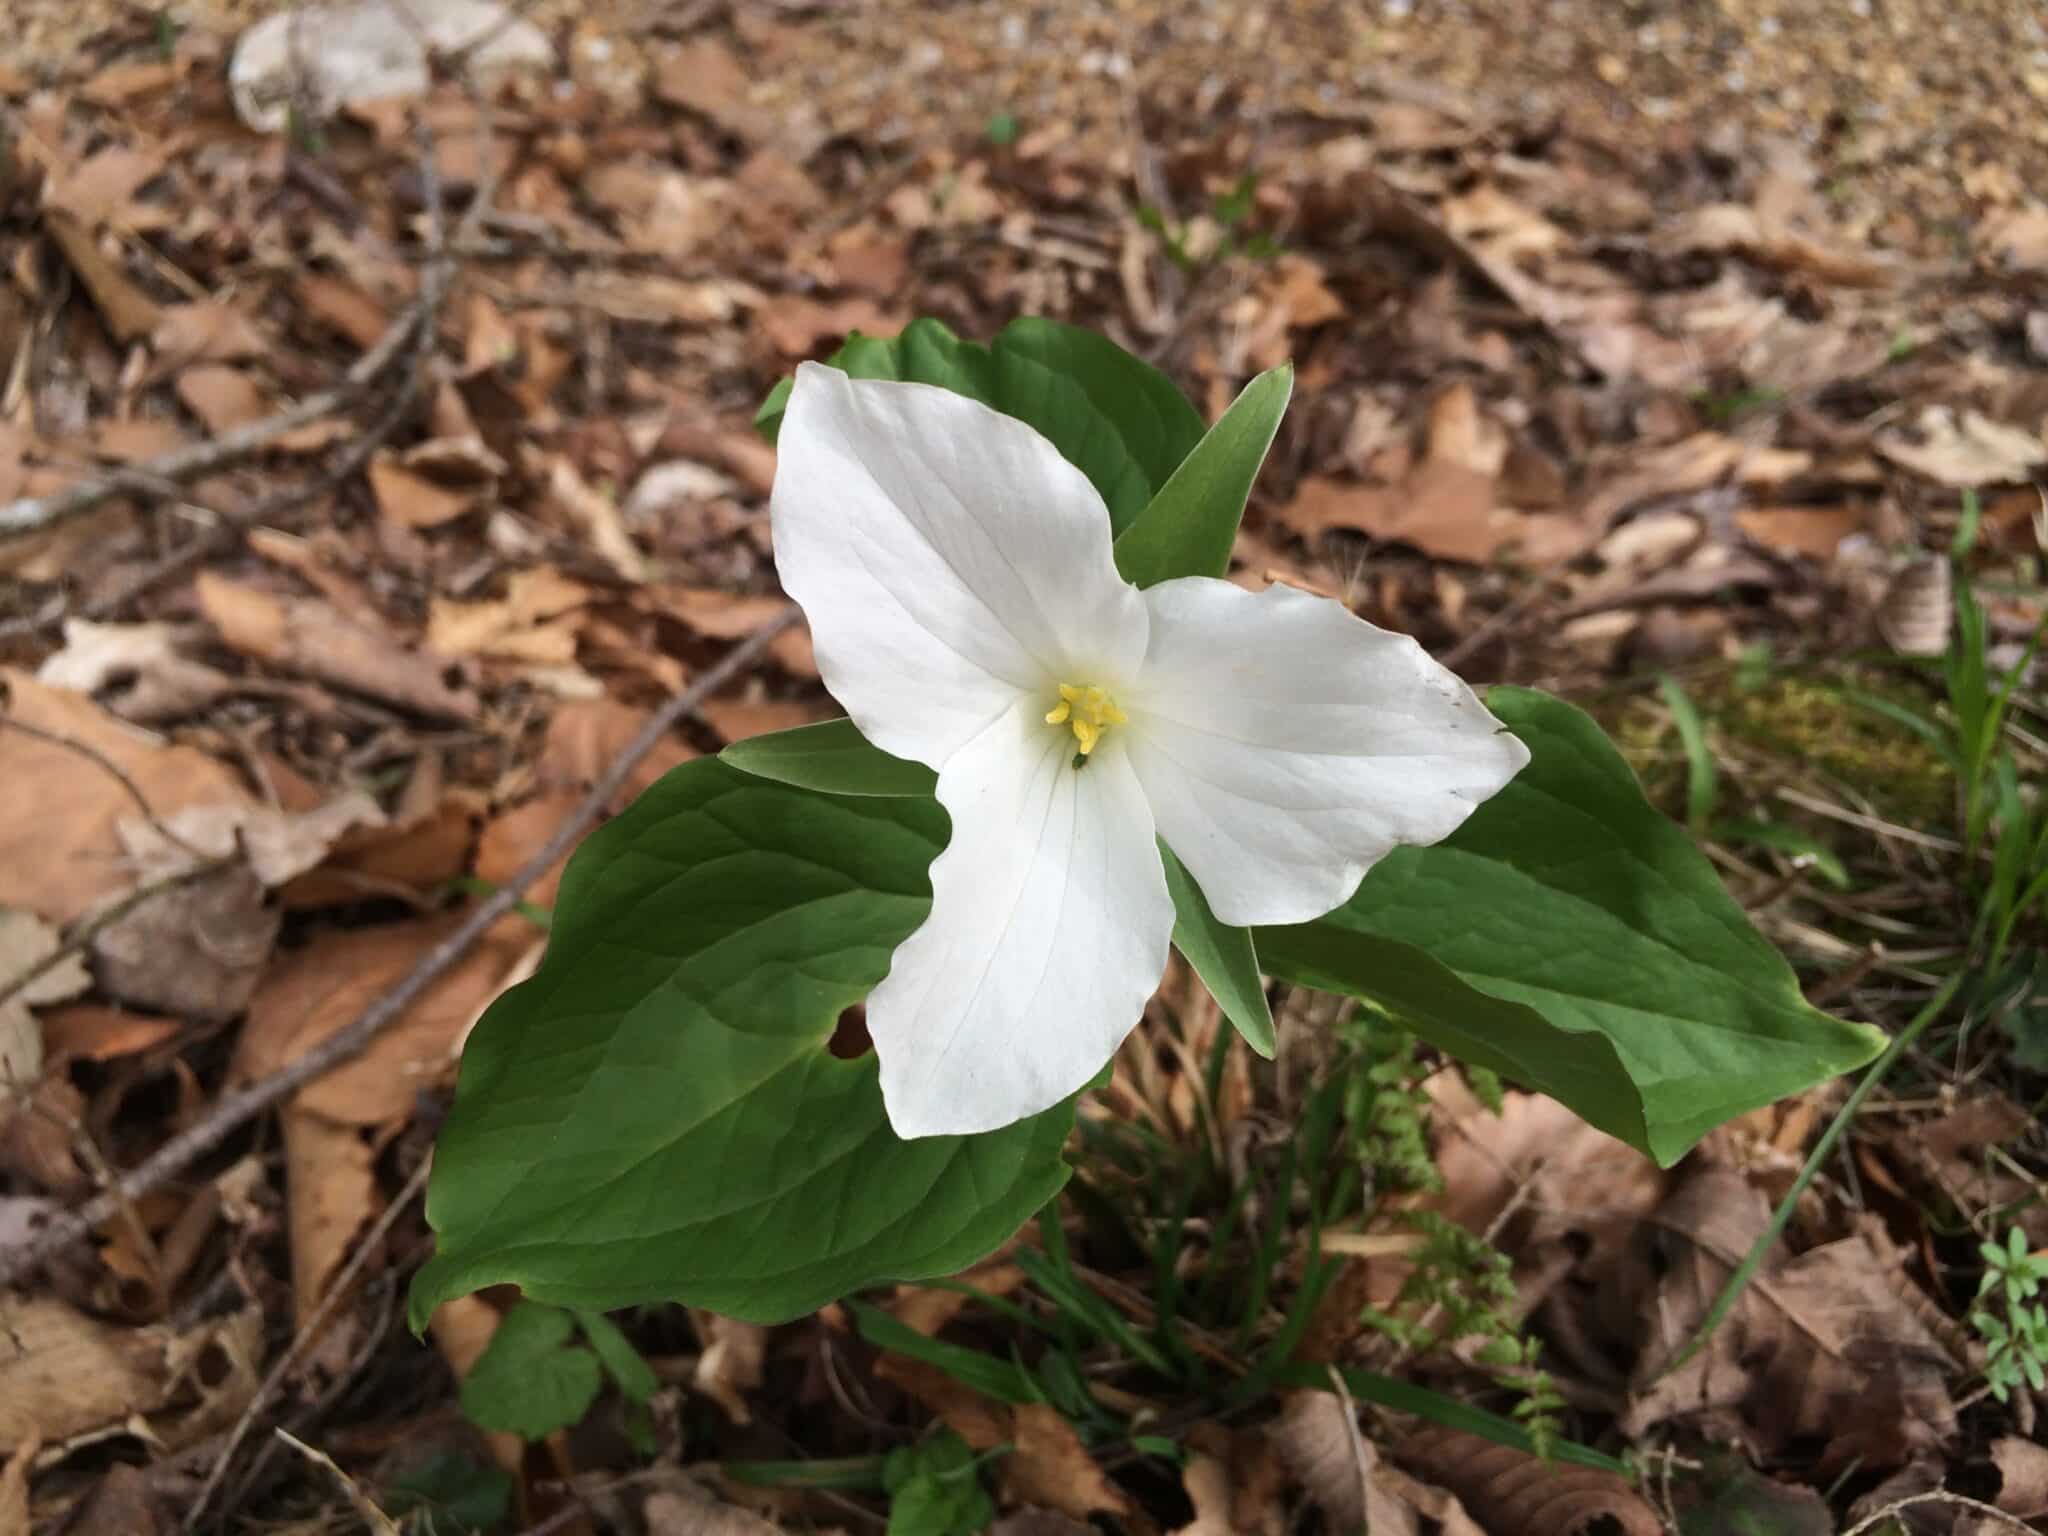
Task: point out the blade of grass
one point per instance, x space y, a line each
1702 778
988 1375
1822 1150
1406 1397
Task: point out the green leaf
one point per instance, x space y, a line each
1068 409
833 757
628 1370
1150 414
934 1490
1224 957
1571 938
990 1375
655 1116
1188 528
449 1494
530 1380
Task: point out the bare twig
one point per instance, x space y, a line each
233 1110
366 1509
1990 1512
343 1282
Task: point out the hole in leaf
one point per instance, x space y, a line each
850 1040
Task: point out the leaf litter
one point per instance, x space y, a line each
1600 373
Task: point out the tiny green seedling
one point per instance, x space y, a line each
2010 1318
534 1378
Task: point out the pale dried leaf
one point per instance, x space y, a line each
280 845
595 516
673 1513
730 1366
1051 1467
331 1184
1964 449
14 1489
2022 1476
195 949
1918 608
1319 1441
411 500
139 671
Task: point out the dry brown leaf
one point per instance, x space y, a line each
730 1365
96 1032
2015 239
586 736
1963 449
597 518
410 500
331 1184
222 397
308 636
1918 607
25 942
722 615
2022 1476
1049 1466
60 851
207 332
129 313
341 306
538 620
673 1513
138 671
1510 1490
14 1488
1816 532
737 719
196 949
64 1374
1206 1481
318 990
135 439
983 1424
794 325
1818 1346
928 1308
280 845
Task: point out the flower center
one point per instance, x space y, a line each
1089 711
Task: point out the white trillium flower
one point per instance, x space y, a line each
967 613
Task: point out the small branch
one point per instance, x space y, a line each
1990 1512
340 1286
232 1111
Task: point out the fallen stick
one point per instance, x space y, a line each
233 1110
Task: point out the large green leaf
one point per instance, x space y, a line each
655 1116
1010 379
835 758
1573 938
1189 527
1149 412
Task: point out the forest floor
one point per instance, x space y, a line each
365 484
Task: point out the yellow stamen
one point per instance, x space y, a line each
1087 711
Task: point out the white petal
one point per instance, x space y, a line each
1286 745
1048 931
947 558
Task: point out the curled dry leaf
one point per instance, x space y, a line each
60 850
411 500
596 517
1510 1490
537 620
280 845
2022 1476
1918 607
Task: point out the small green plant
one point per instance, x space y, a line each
934 1489
1001 130
534 1378
448 1494
1199 243
2010 1318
